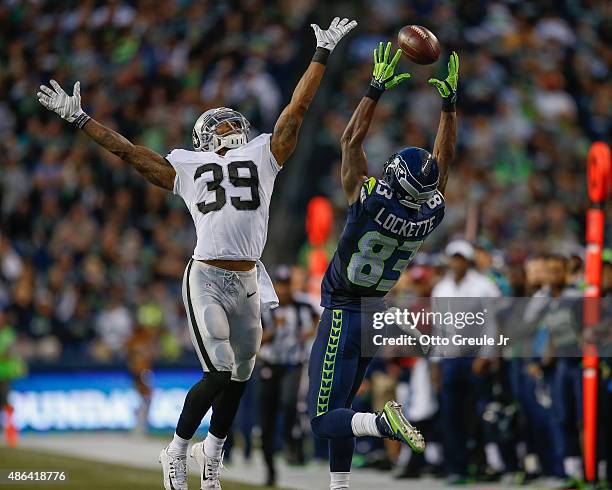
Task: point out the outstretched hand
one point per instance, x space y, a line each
55 99
448 86
337 30
382 76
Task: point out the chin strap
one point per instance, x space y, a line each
229 141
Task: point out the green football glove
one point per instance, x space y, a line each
382 77
448 86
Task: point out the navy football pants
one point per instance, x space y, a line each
336 370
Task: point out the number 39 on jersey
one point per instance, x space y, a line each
228 196
215 183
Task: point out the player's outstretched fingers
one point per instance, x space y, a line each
387 52
350 26
56 86
397 80
396 58
44 100
454 62
46 90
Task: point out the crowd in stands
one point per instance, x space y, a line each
85 241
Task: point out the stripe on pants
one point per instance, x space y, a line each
329 362
194 324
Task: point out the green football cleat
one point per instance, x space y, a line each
392 424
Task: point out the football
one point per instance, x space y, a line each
419 44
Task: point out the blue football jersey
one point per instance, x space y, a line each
379 240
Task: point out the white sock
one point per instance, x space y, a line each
339 480
364 424
178 446
213 446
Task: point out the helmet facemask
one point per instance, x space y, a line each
206 138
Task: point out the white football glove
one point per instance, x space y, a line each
67 106
337 30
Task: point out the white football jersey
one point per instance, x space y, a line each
228 197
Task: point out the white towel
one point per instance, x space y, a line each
267 295
423 402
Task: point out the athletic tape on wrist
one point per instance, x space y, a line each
449 103
321 55
81 120
374 93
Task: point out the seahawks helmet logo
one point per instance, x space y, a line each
399 170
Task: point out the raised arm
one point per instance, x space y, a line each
446 138
354 168
151 165
155 168
444 146
287 128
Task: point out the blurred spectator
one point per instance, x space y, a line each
287 329
464 373
11 367
560 354
141 352
114 326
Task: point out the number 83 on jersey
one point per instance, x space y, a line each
380 260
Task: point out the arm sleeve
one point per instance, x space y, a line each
276 168
183 181
269 165
366 190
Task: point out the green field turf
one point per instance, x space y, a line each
84 474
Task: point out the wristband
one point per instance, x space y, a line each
81 120
321 55
374 93
449 103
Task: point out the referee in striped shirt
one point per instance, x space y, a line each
286 333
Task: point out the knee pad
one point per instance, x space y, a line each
243 368
221 354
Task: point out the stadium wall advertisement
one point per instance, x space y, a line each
98 400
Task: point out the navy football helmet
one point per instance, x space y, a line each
413 174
